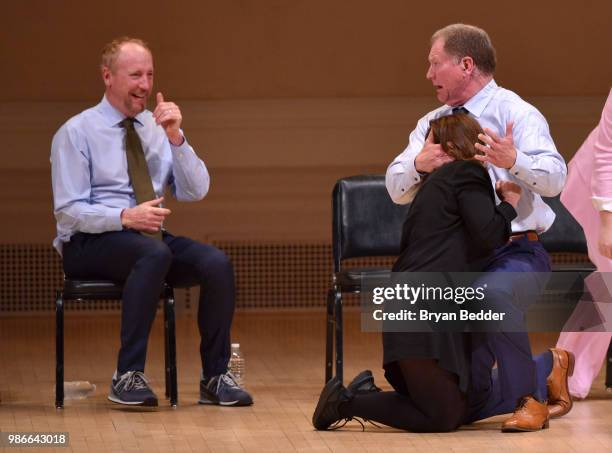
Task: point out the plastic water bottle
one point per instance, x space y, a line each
236 364
78 390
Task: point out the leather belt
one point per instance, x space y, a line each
530 235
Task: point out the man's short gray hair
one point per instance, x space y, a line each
461 40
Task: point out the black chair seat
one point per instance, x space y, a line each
96 289
91 289
349 280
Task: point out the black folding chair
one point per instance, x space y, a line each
366 223
80 290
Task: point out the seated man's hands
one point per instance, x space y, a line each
508 191
147 216
431 157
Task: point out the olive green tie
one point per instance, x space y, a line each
137 168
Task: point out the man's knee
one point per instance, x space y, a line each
214 261
155 253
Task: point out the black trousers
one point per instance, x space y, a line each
142 265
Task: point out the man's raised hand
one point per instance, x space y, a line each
431 157
500 150
168 115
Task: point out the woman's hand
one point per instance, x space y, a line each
509 192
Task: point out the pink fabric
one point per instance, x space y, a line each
590 175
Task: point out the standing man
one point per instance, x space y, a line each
110 167
519 149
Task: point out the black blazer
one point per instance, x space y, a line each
453 224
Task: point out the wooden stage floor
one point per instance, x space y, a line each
284 360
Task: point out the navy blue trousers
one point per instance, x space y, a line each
496 391
142 265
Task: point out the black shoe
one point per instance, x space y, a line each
132 388
327 410
363 384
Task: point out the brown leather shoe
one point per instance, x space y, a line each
559 398
529 415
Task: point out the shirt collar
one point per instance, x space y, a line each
477 103
112 116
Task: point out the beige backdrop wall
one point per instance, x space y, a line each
280 98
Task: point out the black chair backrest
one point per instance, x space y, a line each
365 220
565 234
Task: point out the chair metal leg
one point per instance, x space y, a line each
166 348
59 351
338 325
170 326
329 340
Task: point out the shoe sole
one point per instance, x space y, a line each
145 403
571 361
518 429
330 388
363 378
225 403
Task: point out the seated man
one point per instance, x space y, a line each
110 167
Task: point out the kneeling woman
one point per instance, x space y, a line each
453 225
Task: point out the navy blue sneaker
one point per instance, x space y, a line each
132 388
224 390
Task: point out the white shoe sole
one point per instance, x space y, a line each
132 403
226 403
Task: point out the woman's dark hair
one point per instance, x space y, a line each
457 134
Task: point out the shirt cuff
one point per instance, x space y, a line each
182 150
602 203
113 219
183 146
521 166
411 177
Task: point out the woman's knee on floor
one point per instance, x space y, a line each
445 415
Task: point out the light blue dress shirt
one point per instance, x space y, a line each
90 180
539 168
